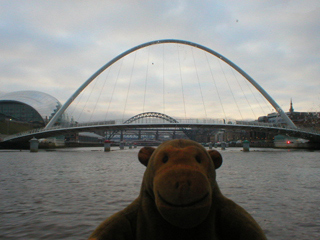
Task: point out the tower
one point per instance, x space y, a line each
291 107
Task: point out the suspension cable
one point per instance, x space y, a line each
243 93
216 88
114 87
100 94
163 81
250 88
184 104
76 104
94 85
195 65
146 81
130 80
230 88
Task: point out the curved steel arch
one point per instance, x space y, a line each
151 115
238 69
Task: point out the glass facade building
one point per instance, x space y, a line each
29 106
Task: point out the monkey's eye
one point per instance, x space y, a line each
165 159
198 159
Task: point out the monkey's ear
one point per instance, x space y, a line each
216 158
145 154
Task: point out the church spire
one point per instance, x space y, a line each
291 107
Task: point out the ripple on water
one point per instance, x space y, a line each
65 194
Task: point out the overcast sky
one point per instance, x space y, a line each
55 45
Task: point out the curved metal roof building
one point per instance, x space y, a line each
29 106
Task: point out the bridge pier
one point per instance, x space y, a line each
107 145
246 146
34 145
174 135
121 136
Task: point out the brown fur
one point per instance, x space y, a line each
180 199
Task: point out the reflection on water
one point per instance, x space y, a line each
65 194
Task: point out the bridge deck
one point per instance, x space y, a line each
56 131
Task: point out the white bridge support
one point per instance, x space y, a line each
284 116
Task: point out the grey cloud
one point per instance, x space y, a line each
57 45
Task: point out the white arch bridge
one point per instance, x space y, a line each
168 122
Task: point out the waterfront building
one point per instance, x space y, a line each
304 120
25 110
30 107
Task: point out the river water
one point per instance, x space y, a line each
65 194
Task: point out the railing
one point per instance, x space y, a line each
226 122
182 121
